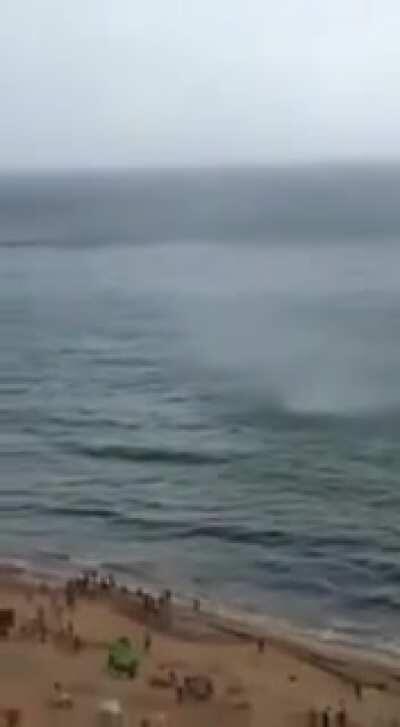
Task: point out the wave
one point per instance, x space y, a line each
146 454
238 534
91 422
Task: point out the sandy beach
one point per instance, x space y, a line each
279 682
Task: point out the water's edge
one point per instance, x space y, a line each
290 635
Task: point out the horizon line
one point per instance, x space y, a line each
211 167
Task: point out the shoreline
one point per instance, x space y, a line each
342 660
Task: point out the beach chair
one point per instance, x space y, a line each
199 687
110 714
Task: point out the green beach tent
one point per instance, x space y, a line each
123 658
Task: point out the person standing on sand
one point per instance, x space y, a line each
261 645
41 623
358 690
147 641
70 627
326 717
12 717
70 594
341 716
313 718
179 693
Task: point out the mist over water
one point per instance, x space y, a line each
216 411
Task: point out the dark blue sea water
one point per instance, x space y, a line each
200 386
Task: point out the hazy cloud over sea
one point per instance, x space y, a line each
188 82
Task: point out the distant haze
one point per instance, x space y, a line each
193 82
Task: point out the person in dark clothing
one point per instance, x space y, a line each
179 693
326 717
147 641
12 717
358 691
341 716
313 718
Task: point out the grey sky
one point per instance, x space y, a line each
136 82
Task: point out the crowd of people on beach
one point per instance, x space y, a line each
329 717
92 581
154 611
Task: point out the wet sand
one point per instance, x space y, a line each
276 687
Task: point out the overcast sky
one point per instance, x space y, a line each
171 82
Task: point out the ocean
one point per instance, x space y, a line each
200 387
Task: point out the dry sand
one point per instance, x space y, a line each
274 688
